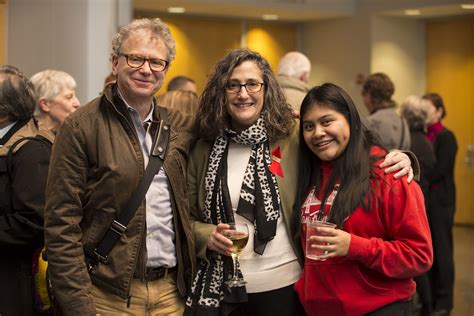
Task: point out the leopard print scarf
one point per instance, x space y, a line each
259 197
259 202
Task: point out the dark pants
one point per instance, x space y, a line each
423 288
394 309
441 218
281 302
15 285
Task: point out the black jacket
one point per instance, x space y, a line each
424 151
442 178
22 194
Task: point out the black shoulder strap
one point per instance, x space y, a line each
6 166
11 151
118 226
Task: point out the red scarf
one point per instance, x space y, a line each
434 130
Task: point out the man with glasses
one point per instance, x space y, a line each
99 157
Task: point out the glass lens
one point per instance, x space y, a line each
233 87
253 86
157 64
135 60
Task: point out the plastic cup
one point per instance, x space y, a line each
311 252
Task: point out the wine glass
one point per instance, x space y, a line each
239 235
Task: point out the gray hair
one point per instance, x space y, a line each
415 112
49 83
294 64
154 26
17 100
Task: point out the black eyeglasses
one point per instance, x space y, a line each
136 61
234 87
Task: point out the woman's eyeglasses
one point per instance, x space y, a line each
252 87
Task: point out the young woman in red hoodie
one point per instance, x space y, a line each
382 239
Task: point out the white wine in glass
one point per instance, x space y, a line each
239 235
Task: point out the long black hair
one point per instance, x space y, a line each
352 169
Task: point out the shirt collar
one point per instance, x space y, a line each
4 131
148 118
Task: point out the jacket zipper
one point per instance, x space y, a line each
132 128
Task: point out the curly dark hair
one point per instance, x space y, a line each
212 115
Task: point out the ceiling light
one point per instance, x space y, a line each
467 6
270 17
176 10
412 12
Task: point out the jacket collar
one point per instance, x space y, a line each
114 100
287 82
25 128
12 129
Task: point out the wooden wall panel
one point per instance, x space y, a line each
199 44
272 40
450 72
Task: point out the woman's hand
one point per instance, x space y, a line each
218 242
334 241
398 161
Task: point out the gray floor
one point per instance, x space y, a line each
464 267
464 263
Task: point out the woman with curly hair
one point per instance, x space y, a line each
244 170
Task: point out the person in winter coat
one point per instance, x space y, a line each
23 173
294 70
100 155
442 205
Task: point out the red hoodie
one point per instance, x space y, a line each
389 246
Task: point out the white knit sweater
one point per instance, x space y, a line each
278 266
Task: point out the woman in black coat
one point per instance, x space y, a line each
415 112
441 204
